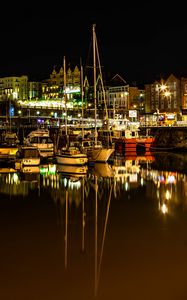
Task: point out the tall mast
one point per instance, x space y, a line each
94 78
65 97
82 96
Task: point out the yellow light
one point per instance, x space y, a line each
164 208
167 93
163 87
168 195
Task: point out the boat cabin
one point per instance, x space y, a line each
28 152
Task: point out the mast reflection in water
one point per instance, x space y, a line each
116 232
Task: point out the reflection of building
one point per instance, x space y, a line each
166 187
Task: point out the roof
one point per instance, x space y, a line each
117 80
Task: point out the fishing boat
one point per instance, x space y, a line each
128 138
69 155
41 139
93 148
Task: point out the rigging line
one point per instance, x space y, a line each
94 81
103 89
87 65
100 73
82 96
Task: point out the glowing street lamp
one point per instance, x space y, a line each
163 87
167 94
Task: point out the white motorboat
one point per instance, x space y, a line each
41 139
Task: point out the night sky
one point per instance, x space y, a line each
140 42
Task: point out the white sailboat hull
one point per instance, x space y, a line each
77 159
99 154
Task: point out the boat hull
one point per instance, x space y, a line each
134 145
77 160
100 154
41 139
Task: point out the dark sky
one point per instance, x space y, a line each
139 42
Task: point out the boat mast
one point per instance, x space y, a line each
82 97
96 54
65 98
94 79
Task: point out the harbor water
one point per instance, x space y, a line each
116 232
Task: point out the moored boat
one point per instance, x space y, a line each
71 156
27 156
9 145
130 141
97 152
41 139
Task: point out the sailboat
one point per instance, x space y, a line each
93 148
71 154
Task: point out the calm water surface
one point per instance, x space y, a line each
120 232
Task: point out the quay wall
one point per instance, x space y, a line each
170 137
165 136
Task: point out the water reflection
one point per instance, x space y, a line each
116 231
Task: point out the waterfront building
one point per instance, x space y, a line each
164 95
184 99
163 101
34 90
14 88
52 88
117 97
167 98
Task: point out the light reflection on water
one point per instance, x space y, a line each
119 231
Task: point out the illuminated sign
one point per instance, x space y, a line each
133 113
170 116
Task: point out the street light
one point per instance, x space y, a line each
167 94
161 88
